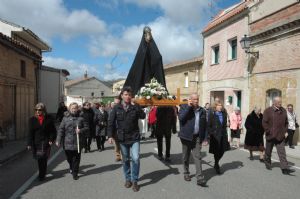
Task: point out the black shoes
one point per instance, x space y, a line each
201 183
287 171
135 187
187 178
128 184
167 159
268 164
217 168
292 147
75 177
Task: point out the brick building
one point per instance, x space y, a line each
275 34
20 58
225 63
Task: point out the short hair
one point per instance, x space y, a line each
193 95
41 106
72 104
127 89
256 108
85 103
237 108
291 105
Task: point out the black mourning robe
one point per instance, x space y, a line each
146 65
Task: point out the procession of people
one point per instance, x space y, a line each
125 123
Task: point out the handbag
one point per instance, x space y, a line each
296 125
41 152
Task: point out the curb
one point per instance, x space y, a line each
14 156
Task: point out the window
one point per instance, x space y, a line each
186 80
215 54
232 49
23 69
102 93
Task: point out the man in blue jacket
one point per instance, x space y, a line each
192 119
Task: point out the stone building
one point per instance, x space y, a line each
184 75
86 89
225 73
117 86
20 59
275 35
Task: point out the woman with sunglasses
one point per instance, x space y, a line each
42 133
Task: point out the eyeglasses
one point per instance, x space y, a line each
38 109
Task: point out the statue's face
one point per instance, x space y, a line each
147 34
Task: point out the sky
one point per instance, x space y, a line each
102 36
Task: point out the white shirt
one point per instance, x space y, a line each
291 120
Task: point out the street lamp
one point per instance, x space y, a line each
245 43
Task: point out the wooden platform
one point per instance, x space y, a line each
162 102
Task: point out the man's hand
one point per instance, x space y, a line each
28 148
50 143
110 140
77 130
189 102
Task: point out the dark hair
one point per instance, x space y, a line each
127 89
290 105
102 104
85 103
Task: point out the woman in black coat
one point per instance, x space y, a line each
254 136
101 127
87 114
42 133
71 130
217 129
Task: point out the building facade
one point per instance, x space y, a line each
51 84
20 59
184 75
225 73
275 35
86 89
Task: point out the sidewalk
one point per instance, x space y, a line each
12 149
293 153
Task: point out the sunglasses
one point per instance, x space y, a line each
38 109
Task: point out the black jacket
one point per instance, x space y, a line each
88 117
125 123
40 135
187 122
101 123
66 132
255 130
165 121
218 133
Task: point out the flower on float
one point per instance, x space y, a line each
148 97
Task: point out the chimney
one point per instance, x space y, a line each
85 75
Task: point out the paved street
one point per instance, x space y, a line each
101 177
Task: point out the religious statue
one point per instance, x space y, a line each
146 65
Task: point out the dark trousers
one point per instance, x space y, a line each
87 143
42 162
153 130
73 158
280 151
100 140
193 147
289 138
160 145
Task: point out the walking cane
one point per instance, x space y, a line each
77 134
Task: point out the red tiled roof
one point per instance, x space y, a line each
20 45
227 14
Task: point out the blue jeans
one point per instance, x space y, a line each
131 172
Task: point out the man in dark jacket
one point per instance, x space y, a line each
275 124
192 119
124 118
88 116
101 127
166 122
